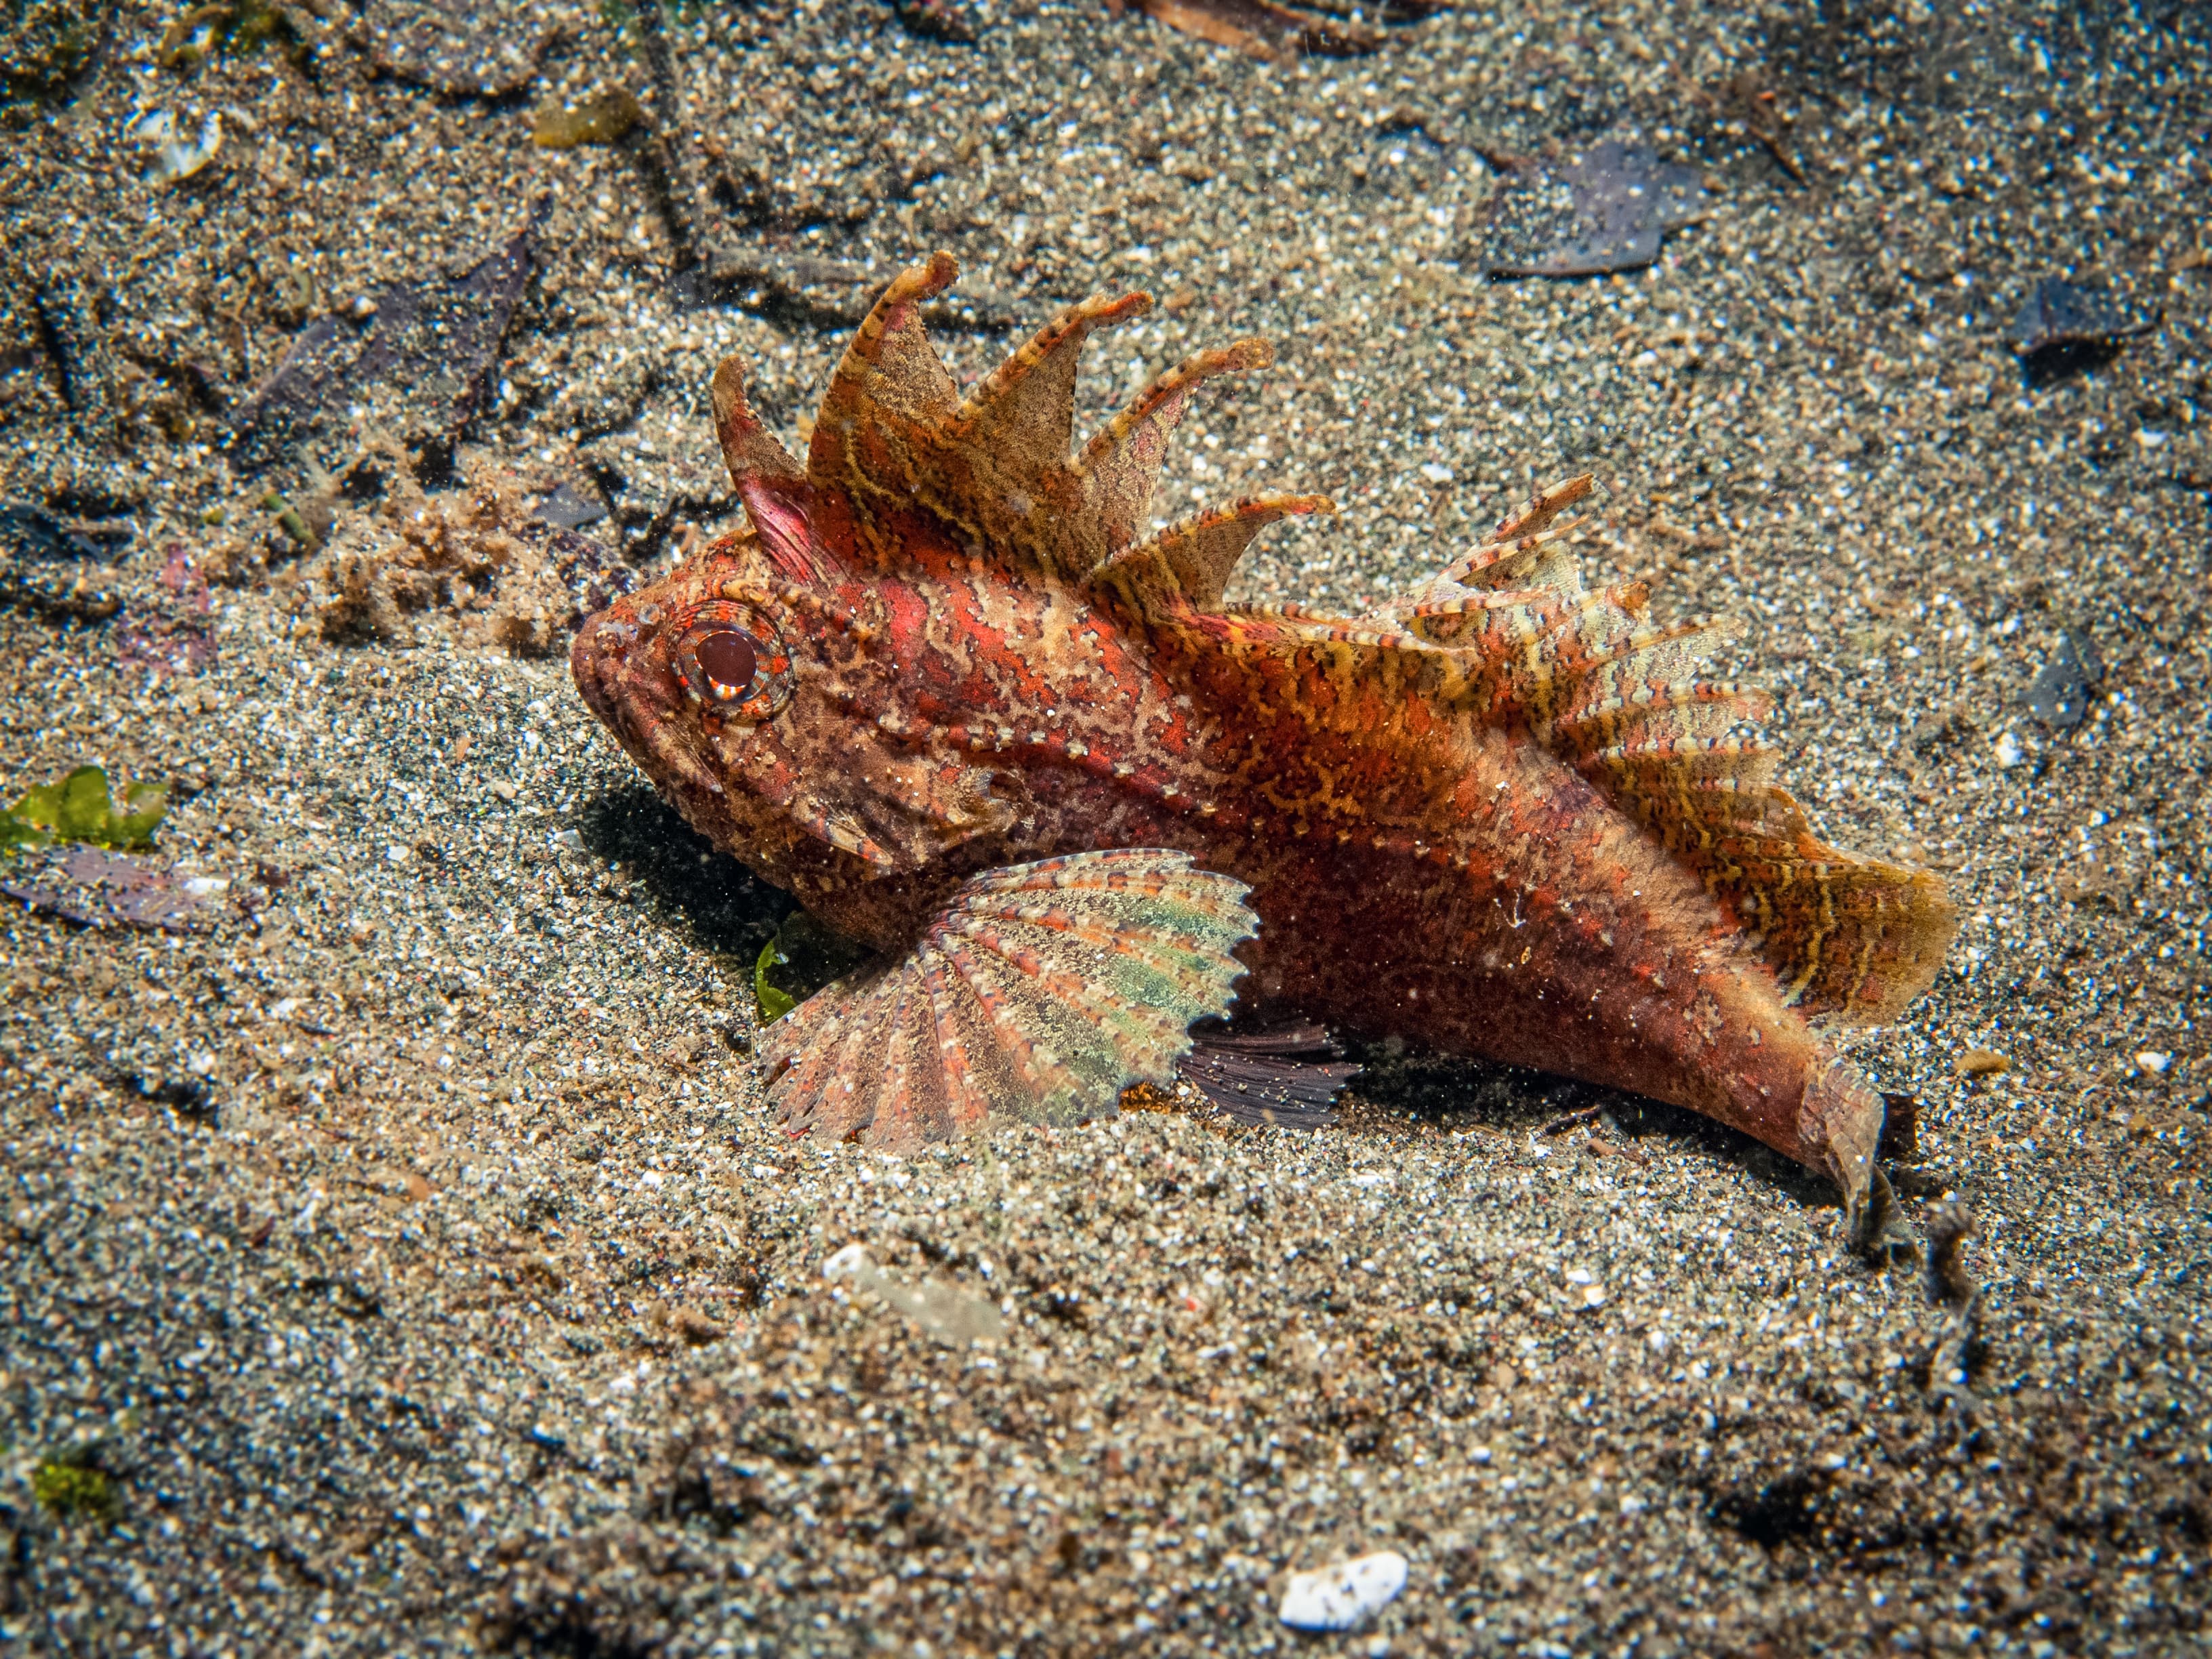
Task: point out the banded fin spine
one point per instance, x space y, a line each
770 483
888 366
1189 561
1029 400
1121 465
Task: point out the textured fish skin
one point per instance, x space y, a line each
1501 816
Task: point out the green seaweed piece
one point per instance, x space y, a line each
16 835
771 1004
802 958
238 26
289 521
71 1485
81 807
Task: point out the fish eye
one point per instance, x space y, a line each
731 660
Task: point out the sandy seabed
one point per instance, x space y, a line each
399 1257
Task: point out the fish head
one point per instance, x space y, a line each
772 714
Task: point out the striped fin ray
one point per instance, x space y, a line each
994 469
1509 635
1029 400
890 367
1847 935
1190 561
772 485
1122 465
872 431
1525 549
1038 993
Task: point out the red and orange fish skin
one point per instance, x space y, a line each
1416 872
987 668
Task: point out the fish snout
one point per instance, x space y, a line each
600 660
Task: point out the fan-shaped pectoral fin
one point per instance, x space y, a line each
1038 993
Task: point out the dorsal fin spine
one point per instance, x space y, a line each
909 286
1494 562
1185 376
1190 560
1542 507
1609 714
1070 328
772 485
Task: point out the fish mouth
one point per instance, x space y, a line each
625 681
598 659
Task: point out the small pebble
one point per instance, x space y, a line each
2060 696
1345 1597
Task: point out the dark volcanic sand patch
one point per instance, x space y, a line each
406 1246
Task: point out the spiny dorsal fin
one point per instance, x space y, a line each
1535 514
769 480
1524 550
1121 464
1189 561
994 469
750 448
1508 632
888 383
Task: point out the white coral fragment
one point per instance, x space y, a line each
1346 1595
174 159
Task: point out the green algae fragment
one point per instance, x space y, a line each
71 1485
602 119
771 1004
82 808
289 521
802 958
198 32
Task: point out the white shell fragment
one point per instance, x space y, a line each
1346 1595
950 1314
174 158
